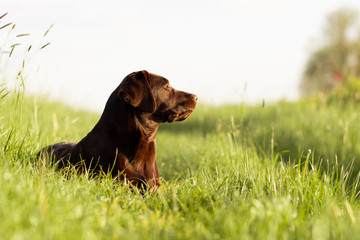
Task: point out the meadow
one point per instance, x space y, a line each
274 171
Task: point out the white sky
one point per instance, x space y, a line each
222 50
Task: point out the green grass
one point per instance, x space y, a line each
232 172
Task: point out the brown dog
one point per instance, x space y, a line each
123 141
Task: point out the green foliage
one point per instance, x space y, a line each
338 58
224 176
347 93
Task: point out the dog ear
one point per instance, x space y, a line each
136 91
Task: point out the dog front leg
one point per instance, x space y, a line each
125 171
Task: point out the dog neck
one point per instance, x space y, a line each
137 123
147 127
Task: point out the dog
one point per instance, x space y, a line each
123 140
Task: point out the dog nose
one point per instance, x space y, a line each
194 97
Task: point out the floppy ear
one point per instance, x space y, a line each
135 90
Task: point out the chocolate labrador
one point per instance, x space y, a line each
123 140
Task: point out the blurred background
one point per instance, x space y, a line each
224 51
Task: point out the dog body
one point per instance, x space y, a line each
123 140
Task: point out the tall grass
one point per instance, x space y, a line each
223 172
330 131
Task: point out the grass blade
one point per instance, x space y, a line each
45 46
8 139
13 27
3 93
8 24
12 48
23 35
47 31
3 15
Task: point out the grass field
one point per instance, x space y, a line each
280 171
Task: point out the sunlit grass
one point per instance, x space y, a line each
234 172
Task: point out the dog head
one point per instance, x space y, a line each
150 93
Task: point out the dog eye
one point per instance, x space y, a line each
167 87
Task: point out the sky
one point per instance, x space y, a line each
224 51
